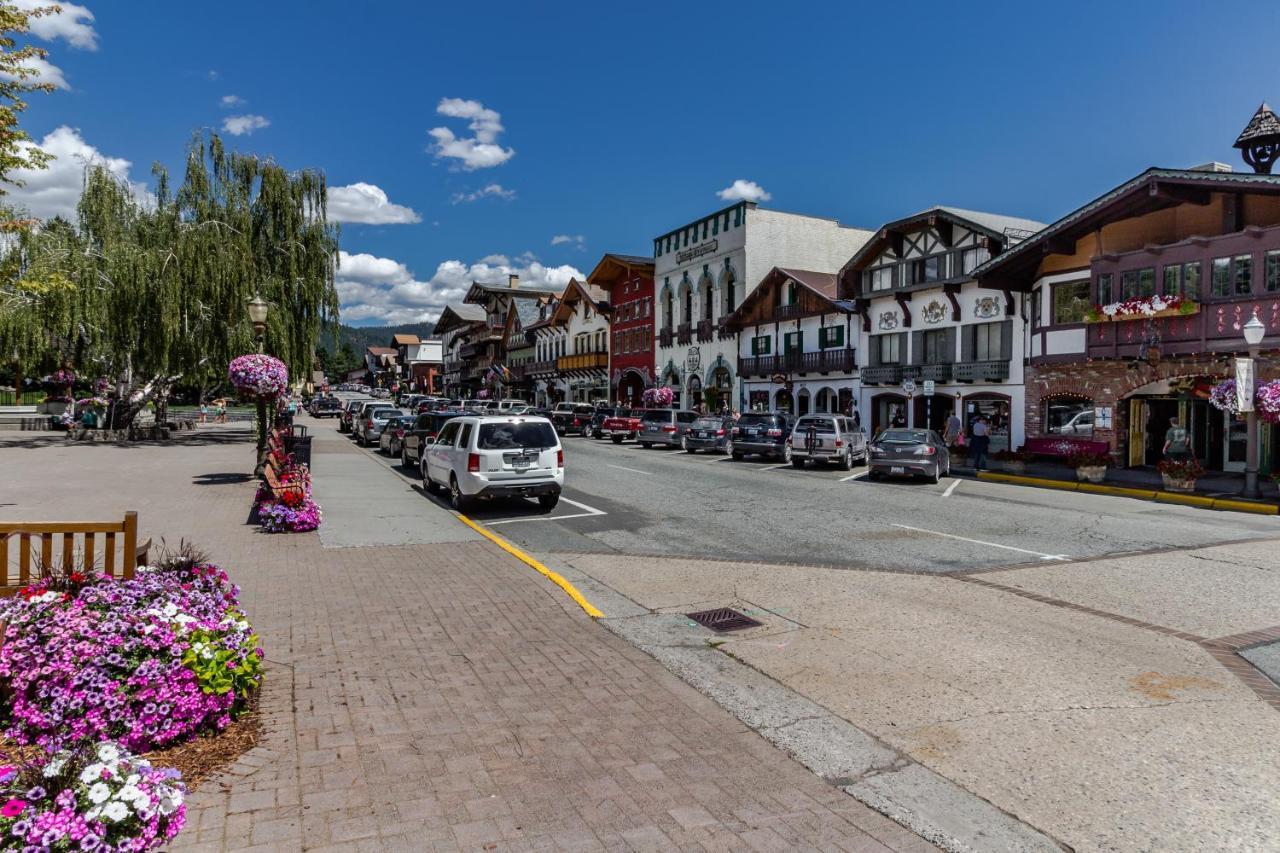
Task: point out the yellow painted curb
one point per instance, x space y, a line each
1245 506
536 566
1141 494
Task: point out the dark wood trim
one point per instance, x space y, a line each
951 289
1059 246
1179 194
945 230
904 302
1008 303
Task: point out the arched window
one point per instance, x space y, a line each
686 299
1068 414
668 309
708 297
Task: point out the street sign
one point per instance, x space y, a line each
909 386
928 387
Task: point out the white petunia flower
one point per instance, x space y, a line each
171 610
53 768
107 752
115 811
170 801
99 793
92 773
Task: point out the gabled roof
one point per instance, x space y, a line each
457 315
403 340
1154 189
821 284
576 292
1005 229
613 266
480 292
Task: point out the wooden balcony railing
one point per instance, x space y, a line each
823 361
982 371
583 361
882 374
921 372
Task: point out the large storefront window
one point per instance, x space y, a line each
1068 416
758 401
995 408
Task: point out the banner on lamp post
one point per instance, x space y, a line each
1244 384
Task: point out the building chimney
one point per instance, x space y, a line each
513 281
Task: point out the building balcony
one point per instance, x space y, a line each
684 333
706 331
666 337
982 371
882 374
583 361
823 361
789 312
540 368
922 372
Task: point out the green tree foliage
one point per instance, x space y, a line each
157 287
18 79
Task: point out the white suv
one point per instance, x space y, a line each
490 456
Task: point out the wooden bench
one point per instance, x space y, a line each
78 550
273 475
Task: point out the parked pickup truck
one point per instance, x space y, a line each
572 417
620 424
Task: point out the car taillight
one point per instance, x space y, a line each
668 428
925 451
773 433
560 458
719 432
473 462
839 443
369 424
577 422
431 435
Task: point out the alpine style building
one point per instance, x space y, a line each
628 281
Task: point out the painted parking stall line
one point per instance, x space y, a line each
1041 555
632 470
856 476
951 488
587 512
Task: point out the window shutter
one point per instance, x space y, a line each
755 346
917 347
949 345
1006 339
902 347
966 343
873 351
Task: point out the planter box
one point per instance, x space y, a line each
1168 312
54 409
1172 484
1092 473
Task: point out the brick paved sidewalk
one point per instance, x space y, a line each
445 696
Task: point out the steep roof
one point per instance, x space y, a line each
1264 123
457 315
578 291
479 291
821 284
613 266
401 340
1152 190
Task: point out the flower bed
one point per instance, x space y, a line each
146 662
293 511
1143 308
1267 399
97 797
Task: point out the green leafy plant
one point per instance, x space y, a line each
1089 459
222 667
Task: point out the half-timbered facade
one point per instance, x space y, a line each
550 339
926 324
703 271
1206 242
796 344
583 367
459 322
628 281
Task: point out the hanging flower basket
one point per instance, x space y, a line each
1267 400
258 375
658 397
1223 397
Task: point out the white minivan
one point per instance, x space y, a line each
489 456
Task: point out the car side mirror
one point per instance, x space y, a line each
430 440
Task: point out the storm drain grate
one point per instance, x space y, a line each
723 619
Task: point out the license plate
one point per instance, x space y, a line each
897 469
702 434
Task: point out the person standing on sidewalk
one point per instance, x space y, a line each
1177 443
981 441
952 430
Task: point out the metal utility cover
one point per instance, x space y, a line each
724 619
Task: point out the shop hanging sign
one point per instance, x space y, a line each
1244 384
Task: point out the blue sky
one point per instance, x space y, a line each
608 124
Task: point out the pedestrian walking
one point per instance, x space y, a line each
1177 442
204 412
981 441
953 431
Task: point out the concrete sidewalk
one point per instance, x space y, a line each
439 696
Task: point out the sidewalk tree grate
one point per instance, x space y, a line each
723 619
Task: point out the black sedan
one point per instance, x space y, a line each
709 432
909 453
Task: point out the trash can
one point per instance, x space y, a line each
299 447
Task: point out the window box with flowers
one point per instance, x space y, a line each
1090 467
1142 308
1180 475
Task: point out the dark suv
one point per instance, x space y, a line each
427 425
764 433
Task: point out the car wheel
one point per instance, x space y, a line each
684 445
737 456
457 499
846 461
427 485
797 463
646 444
617 439
404 457
548 502
786 453
936 475
728 448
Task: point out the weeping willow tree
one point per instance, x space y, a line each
150 290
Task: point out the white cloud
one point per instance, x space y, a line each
383 290
741 190
481 151
240 125
229 101
367 204
56 190
46 72
71 22
487 191
576 240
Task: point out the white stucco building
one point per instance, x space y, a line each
926 320
703 271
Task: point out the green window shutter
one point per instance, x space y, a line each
836 336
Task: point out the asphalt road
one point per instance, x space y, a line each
625 499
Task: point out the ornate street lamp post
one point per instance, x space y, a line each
1254 331
258 317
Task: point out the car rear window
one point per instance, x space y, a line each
686 417
820 424
758 420
708 423
904 436
657 416
513 436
